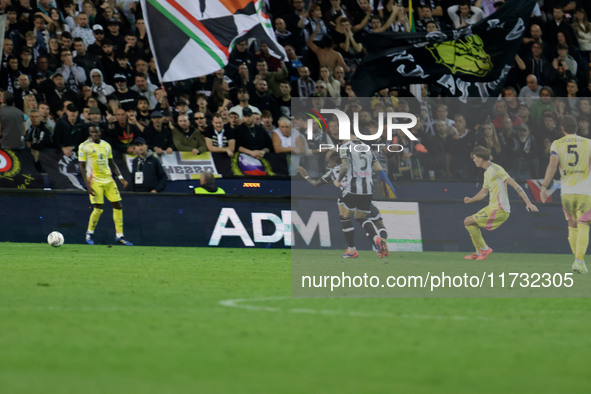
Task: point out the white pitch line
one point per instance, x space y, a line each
246 304
240 304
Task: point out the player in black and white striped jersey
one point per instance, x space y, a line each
359 177
358 164
334 167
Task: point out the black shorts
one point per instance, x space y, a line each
374 213
360 202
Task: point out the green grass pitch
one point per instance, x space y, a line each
81 319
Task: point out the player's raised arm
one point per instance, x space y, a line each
550 171
479 196
528 205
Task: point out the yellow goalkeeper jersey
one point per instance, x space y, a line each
494 180
97 158
573 154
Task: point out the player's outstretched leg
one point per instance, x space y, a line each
376 219
92 223
371 231
349 233
581 248
482 250
382 233
381 246
573 232
118 219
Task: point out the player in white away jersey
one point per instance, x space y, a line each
572 155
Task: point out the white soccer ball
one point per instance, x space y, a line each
55 238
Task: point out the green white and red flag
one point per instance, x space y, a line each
191 38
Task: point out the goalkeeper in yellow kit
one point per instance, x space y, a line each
571 154
96 163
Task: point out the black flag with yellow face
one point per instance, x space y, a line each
473 61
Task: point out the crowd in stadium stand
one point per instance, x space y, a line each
68 63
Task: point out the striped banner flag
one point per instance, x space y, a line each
192 38
473 61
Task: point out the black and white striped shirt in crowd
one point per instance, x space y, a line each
359 178
219 139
